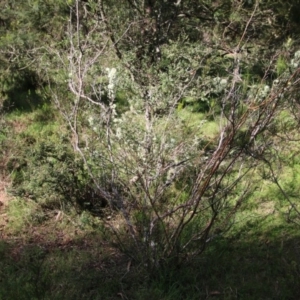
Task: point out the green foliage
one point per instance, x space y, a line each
281 65
43 167
52 177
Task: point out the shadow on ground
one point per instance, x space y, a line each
245 266
23 92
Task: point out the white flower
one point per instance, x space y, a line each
264 92
297 54
91 120
294 64
111 74
216 80
223 82
266 88
119 133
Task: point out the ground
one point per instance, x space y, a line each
4 198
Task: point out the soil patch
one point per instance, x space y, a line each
4 198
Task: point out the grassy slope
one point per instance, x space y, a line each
68 256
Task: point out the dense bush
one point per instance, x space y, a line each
48 172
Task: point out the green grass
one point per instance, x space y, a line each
23 213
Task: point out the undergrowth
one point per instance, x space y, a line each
258 259
55 247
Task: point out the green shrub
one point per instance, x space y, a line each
50 174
